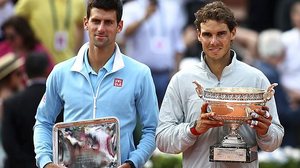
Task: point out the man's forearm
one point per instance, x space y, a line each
131 29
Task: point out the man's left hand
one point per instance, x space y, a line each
261 120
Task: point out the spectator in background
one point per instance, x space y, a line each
58 24
271 55
152 35
20 39
290 72
6 10
18 114
11 81
11 76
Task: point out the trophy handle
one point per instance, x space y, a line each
199 89
269 92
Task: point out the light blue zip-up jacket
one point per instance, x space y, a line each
69 88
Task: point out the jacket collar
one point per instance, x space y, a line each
79 64
233 60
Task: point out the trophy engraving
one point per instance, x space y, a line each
233 106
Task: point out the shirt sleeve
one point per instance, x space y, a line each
23 8
173 134
130 15
147 108
47 112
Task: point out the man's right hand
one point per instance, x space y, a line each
205 120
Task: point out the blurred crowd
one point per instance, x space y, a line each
159 33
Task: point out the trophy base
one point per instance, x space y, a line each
219 153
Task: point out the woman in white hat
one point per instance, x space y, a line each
11 77
11 80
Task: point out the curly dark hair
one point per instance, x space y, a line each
217 11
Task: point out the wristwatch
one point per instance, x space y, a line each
130 163
193 130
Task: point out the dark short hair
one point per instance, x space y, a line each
217 11
115 5
23 29
36 64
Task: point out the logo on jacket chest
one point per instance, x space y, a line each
118 82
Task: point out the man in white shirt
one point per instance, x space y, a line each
290 72
152 35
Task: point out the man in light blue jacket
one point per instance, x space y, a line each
99 82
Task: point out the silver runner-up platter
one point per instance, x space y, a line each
233 106
87 144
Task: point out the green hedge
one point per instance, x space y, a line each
160 160
290 164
